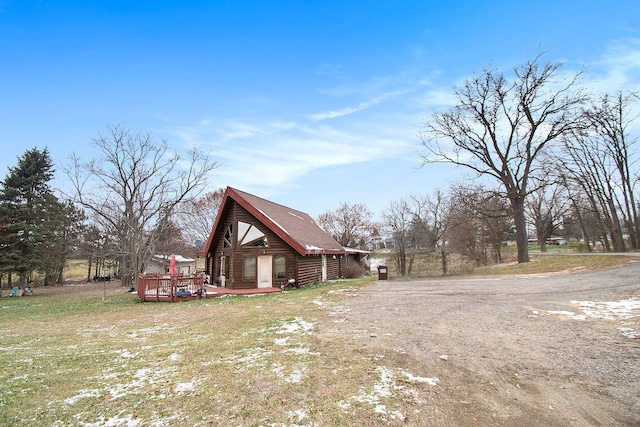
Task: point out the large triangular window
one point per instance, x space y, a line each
249 235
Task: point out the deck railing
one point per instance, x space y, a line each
165 287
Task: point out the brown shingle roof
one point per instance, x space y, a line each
296 228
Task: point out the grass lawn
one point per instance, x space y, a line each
552 263
81 360
240 361
559 259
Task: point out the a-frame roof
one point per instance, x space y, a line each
296 228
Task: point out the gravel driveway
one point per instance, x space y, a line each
518 351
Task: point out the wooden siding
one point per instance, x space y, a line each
333 267
309 270
276 246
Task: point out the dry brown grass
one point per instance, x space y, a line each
95 355
542 264
85 359
429 264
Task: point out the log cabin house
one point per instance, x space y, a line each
256 244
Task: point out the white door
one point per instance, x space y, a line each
265 272
223 269
324 268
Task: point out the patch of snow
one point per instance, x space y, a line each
295 376
397 415
300 351
612 310
273 221
629 332
380 389
615 310
344 405
297 216
82 394
125 354
380 409
413 379
281 341
187 387
256 355
561 312
300 414
296 325
141 378
155 329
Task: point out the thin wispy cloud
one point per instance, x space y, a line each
332 114
617 69
282 152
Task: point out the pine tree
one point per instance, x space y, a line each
30 217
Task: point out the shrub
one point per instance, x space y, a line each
353 271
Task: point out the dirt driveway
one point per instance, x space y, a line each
520 351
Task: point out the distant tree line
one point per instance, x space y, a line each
550 160
126 206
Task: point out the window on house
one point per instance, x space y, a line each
249 235
279 266
250 267
228 237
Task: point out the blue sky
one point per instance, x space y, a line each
307 104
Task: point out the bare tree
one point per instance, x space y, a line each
546 207
611 118
398 219
197 216
431 216
133 187
587 165
479 223
350 225
499 127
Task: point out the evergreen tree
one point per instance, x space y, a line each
63 226
30 217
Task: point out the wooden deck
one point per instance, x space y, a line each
176 288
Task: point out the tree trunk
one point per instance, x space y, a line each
410 265
542 241
585 237
615 229
89 269
522 238
443 254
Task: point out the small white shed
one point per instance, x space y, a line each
159 264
